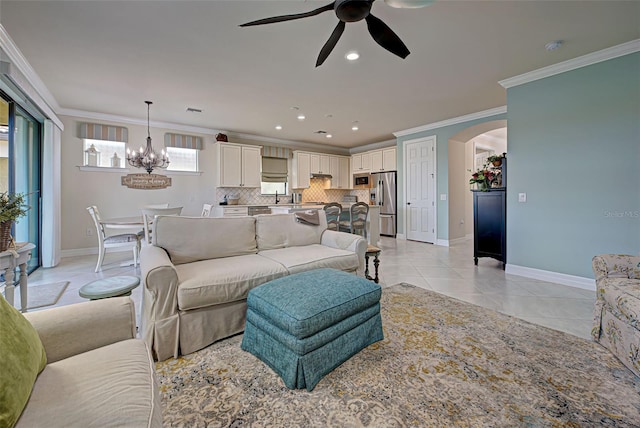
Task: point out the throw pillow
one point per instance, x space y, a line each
22 357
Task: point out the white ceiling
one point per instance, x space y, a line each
111 56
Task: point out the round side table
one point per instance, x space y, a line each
109 287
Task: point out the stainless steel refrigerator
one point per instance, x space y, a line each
383 194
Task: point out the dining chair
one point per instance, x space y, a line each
333 211
357 222
157 205
148 214
206 210
120 240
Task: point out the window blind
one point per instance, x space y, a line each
276 152
274 170
96 131
183 141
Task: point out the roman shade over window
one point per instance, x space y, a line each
183 141
274 170
95 131
276 152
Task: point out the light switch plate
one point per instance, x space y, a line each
443 197
522 197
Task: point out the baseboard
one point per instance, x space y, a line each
558 278
442 242
94 250
462 240
401 236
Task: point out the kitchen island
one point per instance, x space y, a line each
373 219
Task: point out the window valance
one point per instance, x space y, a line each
183 141
276 152
96 131
274 170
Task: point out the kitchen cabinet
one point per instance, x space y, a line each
383 160
361 162
238 165
340 172
231 211
319 164
301 170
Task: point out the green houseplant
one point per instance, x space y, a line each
12 207
482 178
496 160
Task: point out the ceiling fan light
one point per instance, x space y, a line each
352 56
408 4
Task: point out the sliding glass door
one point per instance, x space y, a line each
20 151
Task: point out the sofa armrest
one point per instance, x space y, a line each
70 330
346 241
160 302
616 266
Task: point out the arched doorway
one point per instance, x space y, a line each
466 148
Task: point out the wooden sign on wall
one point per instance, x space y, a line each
146 181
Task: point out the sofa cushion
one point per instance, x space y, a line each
22 357
189 239
112 386
316 256
216 281
623 296
282 231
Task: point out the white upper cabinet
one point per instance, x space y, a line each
361 162
238 165
320 164
383 160
340 174
301 170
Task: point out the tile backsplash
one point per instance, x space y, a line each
315 193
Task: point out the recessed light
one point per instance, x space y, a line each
552 46
329 136
352 56
278 127
301 117
354 128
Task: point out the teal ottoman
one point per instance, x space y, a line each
305 325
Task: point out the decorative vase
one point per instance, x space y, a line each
497 162
482 185
5 235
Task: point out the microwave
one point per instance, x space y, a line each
361 181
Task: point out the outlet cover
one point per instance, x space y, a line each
89 231
443 197
522 197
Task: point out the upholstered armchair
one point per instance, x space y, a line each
617 311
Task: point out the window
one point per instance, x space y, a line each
106 150
182 159
274 176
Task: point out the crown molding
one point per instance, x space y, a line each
289 143
373 146
453 121
16 58
572 64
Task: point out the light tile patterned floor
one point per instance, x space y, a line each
446 270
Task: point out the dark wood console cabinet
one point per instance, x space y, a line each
489 224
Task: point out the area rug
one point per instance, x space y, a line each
45 294
443 363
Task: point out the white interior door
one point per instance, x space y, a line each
420 190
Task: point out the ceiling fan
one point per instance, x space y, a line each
353 11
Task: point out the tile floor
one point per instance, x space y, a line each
446 270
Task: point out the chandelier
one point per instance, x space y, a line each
146 158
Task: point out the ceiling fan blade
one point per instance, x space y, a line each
385 37
409 4
331 43
282 18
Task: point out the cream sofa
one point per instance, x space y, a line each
97 374
198 271
616 323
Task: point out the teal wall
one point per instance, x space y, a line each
442 168
574 149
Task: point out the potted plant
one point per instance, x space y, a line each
482 178
12 207
496 160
